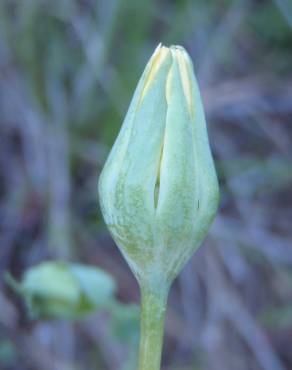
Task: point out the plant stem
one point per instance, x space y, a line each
153 308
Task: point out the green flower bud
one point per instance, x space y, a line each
59 290
158 189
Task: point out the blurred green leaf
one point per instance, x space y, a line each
8 353
277 317
125 321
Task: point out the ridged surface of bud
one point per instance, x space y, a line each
158 189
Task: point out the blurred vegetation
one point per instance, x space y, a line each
68 69
60 290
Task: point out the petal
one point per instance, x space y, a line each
128 180
176 211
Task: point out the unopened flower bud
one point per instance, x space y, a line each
59 290
158 189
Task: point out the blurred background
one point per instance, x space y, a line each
68 69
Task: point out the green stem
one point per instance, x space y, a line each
153 308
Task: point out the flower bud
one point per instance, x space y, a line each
59 290
158 189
